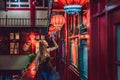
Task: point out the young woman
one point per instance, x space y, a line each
43 59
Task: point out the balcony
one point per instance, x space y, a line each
23 22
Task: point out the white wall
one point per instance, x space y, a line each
22 14
2 14
18 14
41 14
15 14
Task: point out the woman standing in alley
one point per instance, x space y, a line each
43 59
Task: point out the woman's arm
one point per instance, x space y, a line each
55 45
37 60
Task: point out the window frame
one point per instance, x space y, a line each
9 4
82 44
16 43
75 66
43 5
116 61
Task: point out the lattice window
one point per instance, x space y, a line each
14 43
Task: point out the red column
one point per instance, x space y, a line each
67 45
32 13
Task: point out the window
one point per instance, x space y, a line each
45 3
118 42
23 5
118 72
118 52
14 5
71 27
14 43
4 43
77 22
13 0
17 3
74 25
83 60
42 3
63 44
2 5
74 52
24 0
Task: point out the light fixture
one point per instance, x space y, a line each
72 6
72 9
52 30
32 37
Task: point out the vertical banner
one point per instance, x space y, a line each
2 4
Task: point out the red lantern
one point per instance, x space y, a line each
72 2
32 37
58 21
49 32
53 29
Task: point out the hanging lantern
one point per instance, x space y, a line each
52 30
49 32
72 6
32 37
52 33
58 21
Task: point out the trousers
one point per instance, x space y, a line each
46 75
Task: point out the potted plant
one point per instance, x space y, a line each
31 57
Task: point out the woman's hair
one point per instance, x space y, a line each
43 48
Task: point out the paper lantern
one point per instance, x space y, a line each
58 21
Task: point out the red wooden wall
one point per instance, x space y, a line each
104 16
103 49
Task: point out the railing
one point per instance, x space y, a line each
22 22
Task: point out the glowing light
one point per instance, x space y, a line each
32 37
72 9
15 0
84 36
58 21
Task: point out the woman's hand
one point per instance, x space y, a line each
35 69
53 38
